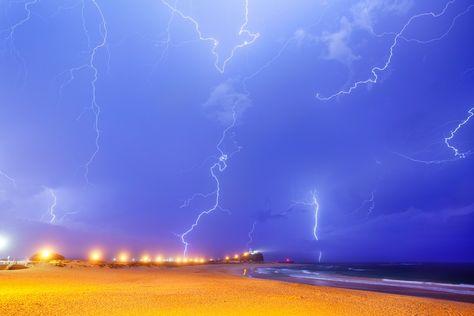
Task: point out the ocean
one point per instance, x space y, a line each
447 281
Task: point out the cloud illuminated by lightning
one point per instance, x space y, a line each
217 167
447 140
378 69
91 64
218 64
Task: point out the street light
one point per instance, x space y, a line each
95 255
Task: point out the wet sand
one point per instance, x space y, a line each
197 290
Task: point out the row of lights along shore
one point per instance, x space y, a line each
124 257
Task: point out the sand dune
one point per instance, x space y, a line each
209 290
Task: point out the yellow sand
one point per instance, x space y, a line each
205 290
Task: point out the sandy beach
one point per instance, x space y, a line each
210 290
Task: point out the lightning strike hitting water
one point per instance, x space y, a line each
218 166
91 65
376 70
447 140
243 31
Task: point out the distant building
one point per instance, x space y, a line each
253 256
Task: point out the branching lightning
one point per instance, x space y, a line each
243 31
219 166
376 69
458 154
11 31
313 203
91 64
447 140
13 28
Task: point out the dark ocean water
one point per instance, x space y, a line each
447 281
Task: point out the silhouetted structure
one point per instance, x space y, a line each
42 257
252 257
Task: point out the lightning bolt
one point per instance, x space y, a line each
219 166
447 140
250 234
282 49
12 30
267 64
313 203
370 202
377 69
167 42
66 214
52 207
214 42
91 64
453 22
27 7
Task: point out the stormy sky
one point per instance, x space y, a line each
122 121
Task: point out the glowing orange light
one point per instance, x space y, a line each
123 257
227 258
46 253
246 254
95 255
185 260
236 256
201 260
178 259
145 259
159 259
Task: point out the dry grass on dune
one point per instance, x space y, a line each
48 290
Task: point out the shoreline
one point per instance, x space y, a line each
444 291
